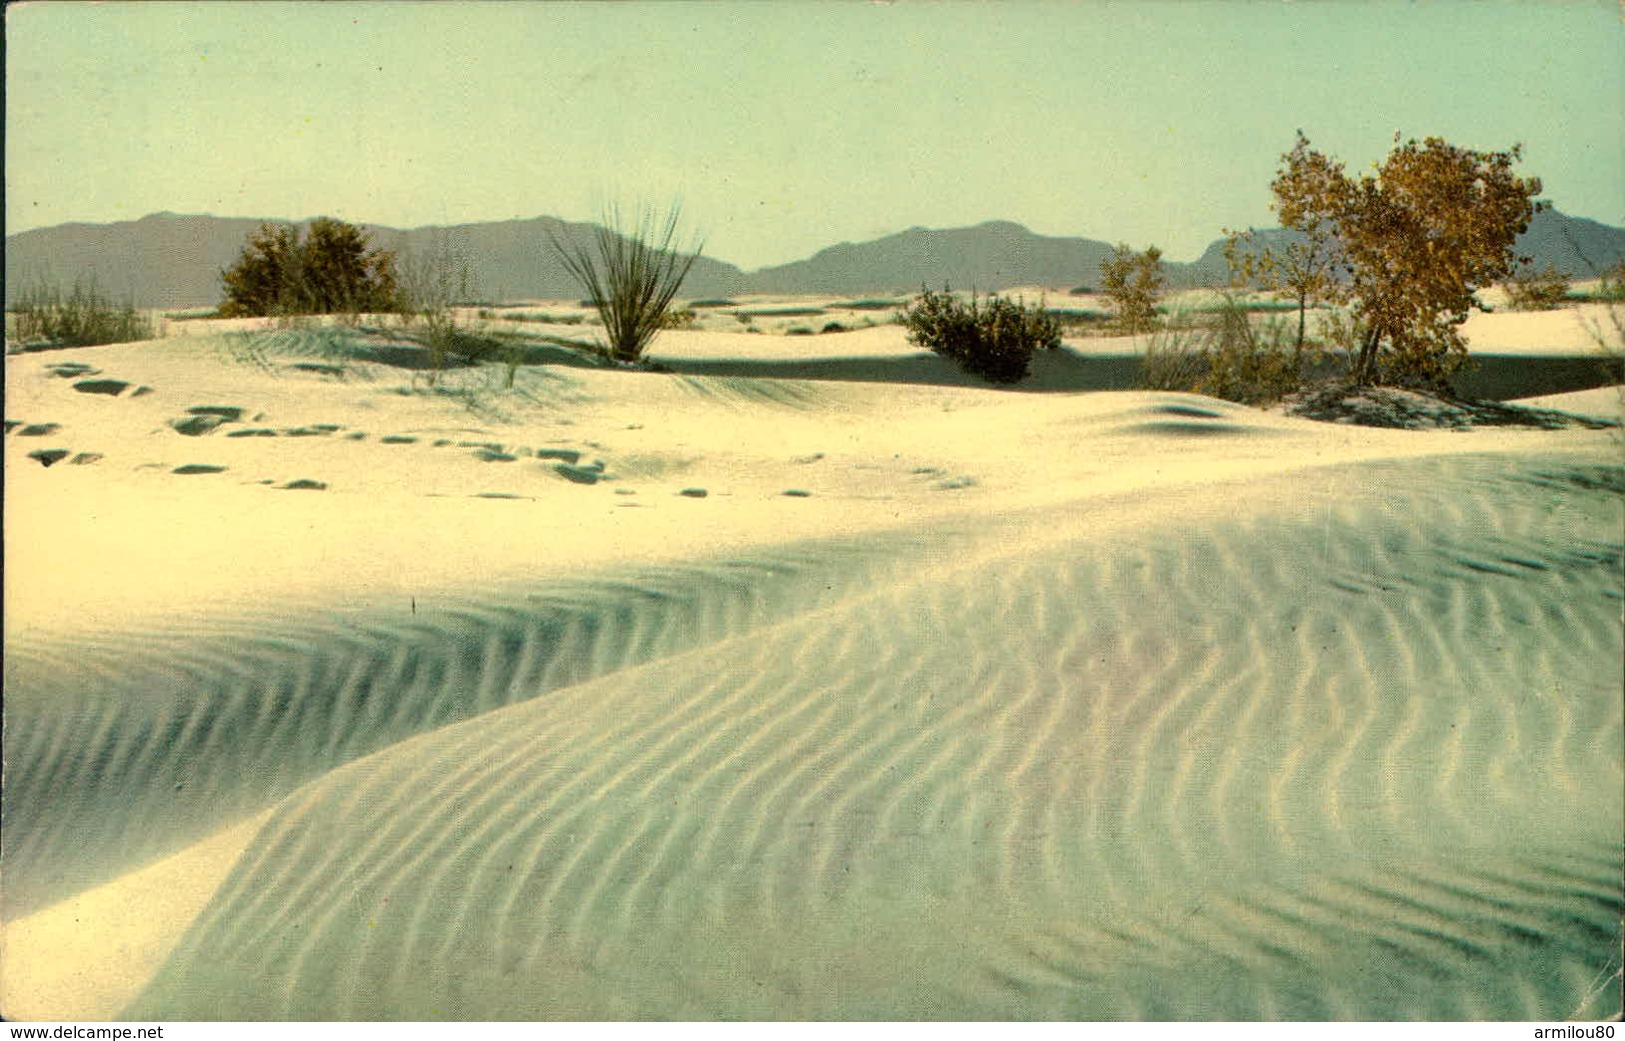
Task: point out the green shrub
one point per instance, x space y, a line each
328 271
81 317
994 339
833 327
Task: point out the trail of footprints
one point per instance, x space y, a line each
233 421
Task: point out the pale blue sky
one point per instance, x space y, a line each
787 126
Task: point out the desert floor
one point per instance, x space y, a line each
726 692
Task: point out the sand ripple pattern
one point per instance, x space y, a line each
125 747
1356 758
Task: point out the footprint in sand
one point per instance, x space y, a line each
111 388
198 468
229 413
305 484
39 429
72 369
579 474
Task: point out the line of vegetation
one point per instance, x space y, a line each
541 317
873 304
782 312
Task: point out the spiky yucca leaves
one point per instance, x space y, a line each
630 276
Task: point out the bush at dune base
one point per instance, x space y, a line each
993 338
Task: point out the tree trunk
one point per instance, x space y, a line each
1365 367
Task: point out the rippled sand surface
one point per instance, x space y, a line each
1335 740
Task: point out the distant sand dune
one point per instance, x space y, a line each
1320 759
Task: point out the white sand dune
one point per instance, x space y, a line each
1599 403
1061 706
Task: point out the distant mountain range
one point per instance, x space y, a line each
171 261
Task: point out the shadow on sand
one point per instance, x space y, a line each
1491 377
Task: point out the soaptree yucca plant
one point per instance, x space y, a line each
630 275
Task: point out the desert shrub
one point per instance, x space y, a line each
1612 287
1221 353
1176 357
80 317
994 339
1254 365
680 318
630 278
833 327
429 284
799 330
330 270
1132 281
1531 290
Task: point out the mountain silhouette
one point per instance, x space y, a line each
173 261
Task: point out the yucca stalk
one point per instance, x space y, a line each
630 276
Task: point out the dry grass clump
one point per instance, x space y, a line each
1223 354
45 316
